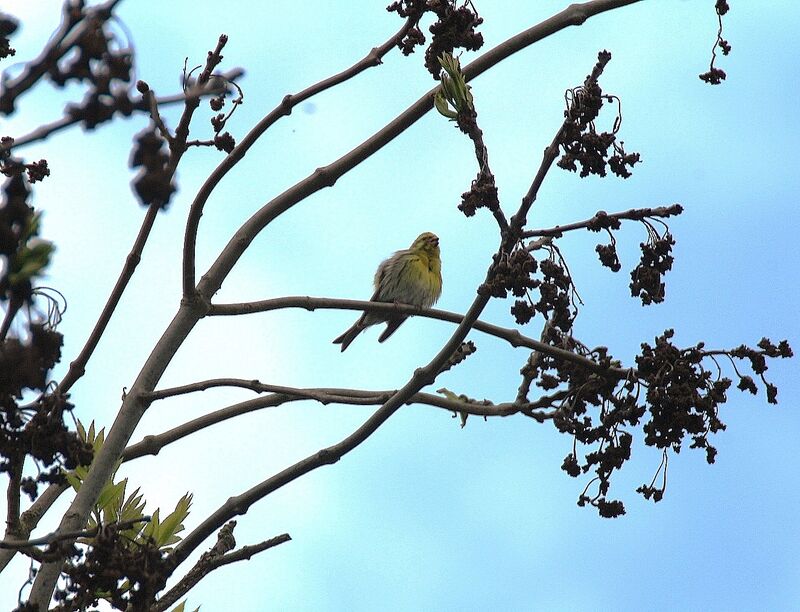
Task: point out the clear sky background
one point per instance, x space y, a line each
426 515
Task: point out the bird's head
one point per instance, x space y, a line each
427 243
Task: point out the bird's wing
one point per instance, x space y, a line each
380 277
389 276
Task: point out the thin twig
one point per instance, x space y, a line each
29 519
206 564
512 336
153 444
155 115
56 536
77 367
519 220
634 214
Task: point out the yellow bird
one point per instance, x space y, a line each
412 276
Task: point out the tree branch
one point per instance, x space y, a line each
152 444
15 467
512 336
601 218
373 58
519 220
56 536
29 519
207 563
77 367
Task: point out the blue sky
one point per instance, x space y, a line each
425 515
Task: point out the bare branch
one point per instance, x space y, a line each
152 444
77 367
210 561
150 98
29 519
321 395
512 336
602 217
373 58
13 494
55 536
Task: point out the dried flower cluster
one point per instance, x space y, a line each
8 25
455 28
155 181
581 143
35 430
127 574
714 75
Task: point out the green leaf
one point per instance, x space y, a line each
31 227
441 105
73 480
110 499
173 523
453 84
152 529
30 260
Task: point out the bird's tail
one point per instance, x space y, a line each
347 337
391 327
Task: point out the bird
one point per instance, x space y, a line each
411 276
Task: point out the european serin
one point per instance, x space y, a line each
411 276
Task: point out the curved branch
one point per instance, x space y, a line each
208 563
57 536
512 336
152 444
373 58
77 367
602 217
